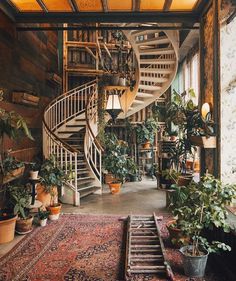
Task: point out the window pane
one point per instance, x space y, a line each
27 5
114 5
55 5
89 5
195 76
151 5
183 5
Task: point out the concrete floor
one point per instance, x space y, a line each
135 198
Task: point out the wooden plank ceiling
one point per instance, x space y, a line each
80 6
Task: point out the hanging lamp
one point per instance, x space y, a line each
113 106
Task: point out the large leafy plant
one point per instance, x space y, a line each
12 125
51 176
114 159
147 130
202 206
20 199
10 163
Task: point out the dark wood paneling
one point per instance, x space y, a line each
25 60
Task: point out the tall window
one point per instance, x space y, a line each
191 75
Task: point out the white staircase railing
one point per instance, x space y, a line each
61 110
93 149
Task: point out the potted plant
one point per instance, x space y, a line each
115 162
51 177
34 170
20 199
203 208
201 129
12 169
7 226
132 170
146 131
43 216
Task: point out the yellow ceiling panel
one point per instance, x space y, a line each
151 5
183 5
89 5
119 5
57 6
27 5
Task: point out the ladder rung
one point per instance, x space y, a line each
145 246
144 250
151 271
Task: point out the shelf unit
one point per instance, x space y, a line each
143 159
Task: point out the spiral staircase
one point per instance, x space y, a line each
70 120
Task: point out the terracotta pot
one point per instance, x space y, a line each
147 145
44 197
7 228
177 237
115 187
109 178
54 212
184 180
24 226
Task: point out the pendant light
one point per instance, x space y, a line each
113 106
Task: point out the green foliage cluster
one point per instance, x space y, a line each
10 163
147 130
42 214
51 176
115 160
13 125
20 199
201 206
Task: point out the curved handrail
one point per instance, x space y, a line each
156 93
59 111
93 149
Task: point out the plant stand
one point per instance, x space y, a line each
145 253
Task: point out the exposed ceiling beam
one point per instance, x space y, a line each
73 5
105 5
7 10
103 27
114 17
167 5
136 5
42 5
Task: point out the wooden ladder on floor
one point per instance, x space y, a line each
145 252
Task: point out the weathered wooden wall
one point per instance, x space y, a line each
210 81
26 58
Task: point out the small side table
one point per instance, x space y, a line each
33 183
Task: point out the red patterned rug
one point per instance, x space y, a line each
77 248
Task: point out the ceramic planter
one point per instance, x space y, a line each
115 187
54 212
24 226
34 175
43 222
7 228
149 154
194 266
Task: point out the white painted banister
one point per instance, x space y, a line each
92 148
60 111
